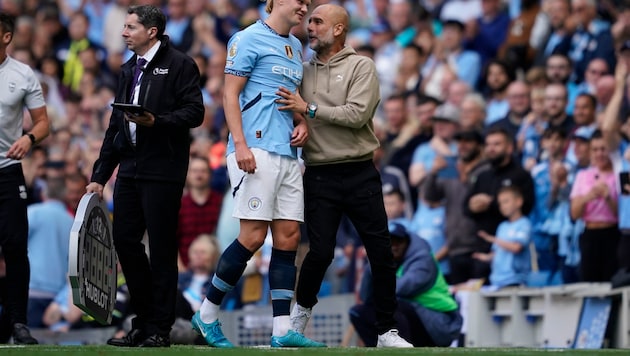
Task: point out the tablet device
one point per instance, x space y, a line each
129 108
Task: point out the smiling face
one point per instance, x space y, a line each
293 11
297 10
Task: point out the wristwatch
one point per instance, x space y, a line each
31 137
311 109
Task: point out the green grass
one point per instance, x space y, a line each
50 350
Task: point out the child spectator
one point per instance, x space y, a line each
510 254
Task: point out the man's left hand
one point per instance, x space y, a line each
145 119
291 101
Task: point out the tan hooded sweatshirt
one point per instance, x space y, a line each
346 90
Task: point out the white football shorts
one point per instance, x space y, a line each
274 192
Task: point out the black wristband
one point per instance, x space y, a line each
31 136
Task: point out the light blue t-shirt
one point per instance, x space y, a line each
469 67
495 111
428 223
270 61
425 154
507 267
48 245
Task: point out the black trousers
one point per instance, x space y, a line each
410 327
598 249
354 189
14 240
152 280
465 267
623 252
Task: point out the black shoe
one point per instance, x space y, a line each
132 339
156 340
5 329
22 336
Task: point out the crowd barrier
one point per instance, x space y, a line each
581 315
250 326
329 323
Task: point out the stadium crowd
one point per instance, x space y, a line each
479 98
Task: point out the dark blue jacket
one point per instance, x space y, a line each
170 90
420 274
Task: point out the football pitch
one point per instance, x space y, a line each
50 350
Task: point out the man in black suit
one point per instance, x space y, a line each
152 150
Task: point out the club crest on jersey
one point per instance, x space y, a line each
254 203
12 86
289 51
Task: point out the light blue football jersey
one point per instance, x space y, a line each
270 61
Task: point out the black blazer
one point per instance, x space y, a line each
170 90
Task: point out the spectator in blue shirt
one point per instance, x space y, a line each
510 247
48 241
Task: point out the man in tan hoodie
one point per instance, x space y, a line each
339 95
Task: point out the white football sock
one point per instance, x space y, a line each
281 325
209 312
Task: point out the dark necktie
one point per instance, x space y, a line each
136 74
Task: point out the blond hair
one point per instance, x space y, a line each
269 6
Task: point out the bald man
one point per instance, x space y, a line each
340 94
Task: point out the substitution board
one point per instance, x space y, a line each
92 265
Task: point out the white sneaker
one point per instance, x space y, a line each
300 317
392 339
